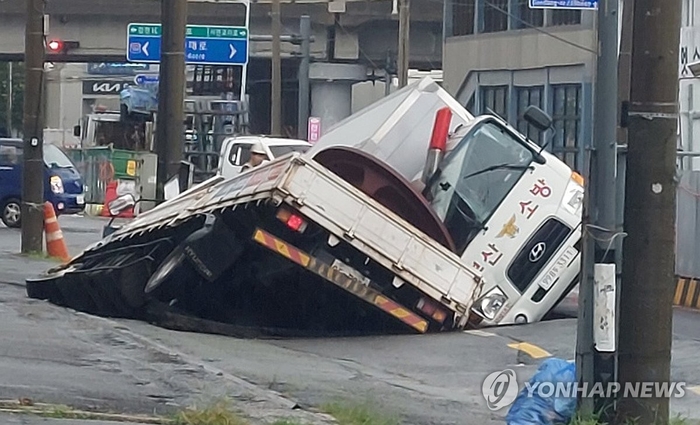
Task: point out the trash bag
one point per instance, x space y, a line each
532 408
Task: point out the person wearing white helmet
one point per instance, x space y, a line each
257 156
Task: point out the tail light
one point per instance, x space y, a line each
293 221
431 309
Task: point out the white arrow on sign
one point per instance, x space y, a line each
233 51
144 49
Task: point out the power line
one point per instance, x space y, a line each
527 24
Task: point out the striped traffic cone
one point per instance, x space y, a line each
55 245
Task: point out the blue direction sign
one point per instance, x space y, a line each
564 4
204 44
142 79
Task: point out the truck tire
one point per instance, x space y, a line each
172 277
12 213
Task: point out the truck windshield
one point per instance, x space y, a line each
55 158
107 132
475 178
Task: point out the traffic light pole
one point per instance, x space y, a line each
171 89
33 162
646 312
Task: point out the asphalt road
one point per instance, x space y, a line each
433 379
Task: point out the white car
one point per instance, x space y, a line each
235 151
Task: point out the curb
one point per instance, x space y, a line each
687 293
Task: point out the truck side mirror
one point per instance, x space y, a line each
537 118
76 131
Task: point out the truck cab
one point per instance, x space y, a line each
514 213
235 151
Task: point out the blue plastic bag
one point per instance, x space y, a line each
535 409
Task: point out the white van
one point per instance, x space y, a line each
235 151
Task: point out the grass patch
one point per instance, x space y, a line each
218 413
358 415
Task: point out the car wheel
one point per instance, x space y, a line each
12 213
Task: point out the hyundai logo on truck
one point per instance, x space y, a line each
537 252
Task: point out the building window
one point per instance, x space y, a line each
463 17
494 100
566 17
566 113
527 17
529 96
495 15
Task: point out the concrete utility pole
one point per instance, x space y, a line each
596 364
276 103
648 284
171 92
304 91
10 82
33 166
404 27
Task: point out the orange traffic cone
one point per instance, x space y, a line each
55 245
110 195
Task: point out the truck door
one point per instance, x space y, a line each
238 154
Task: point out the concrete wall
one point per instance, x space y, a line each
515 50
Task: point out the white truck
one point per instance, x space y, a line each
335 239
235 151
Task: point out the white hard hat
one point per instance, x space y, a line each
258 148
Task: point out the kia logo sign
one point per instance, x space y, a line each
537 252
104 87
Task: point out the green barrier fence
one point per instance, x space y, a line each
99 166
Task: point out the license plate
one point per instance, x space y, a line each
559 267
350 272
80 199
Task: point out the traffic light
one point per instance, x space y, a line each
61 46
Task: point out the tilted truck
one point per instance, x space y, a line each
336 240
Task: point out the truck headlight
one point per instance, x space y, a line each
490 304
56 184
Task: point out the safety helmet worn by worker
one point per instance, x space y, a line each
258 148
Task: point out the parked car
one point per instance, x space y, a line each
63 185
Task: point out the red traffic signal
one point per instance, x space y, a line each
60 46
54 46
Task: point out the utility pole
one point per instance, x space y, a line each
403 56
33 166
276 95
10 82
596 360
303 117
171 92
648 282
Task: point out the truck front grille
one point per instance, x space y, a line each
537 252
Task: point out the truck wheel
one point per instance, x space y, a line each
12 213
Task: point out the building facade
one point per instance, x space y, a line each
501 56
